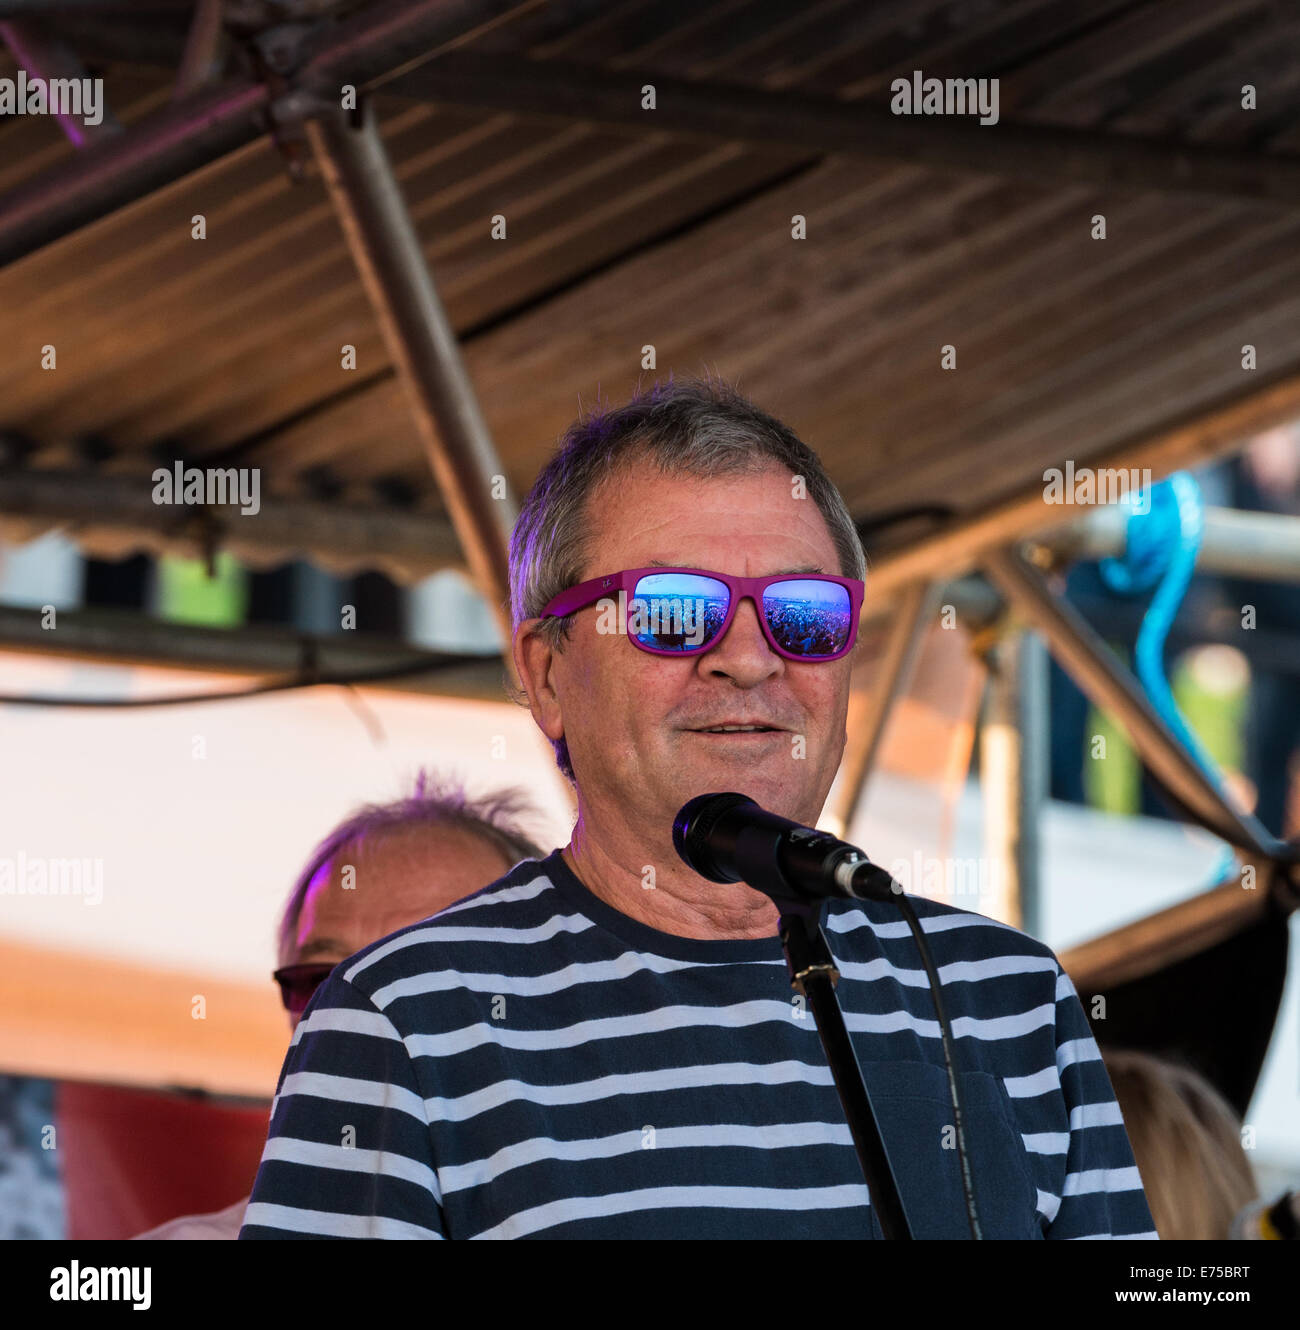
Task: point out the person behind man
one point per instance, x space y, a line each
604 1044
1187 1143
385 866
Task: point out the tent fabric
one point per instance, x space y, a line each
134 1158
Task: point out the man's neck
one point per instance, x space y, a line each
667 895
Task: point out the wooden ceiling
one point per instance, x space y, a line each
227 350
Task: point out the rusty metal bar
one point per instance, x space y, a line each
44 56
911 618
513 83
1234 543
1173 934
1106 681
382 40
422 342
1013 774
201 59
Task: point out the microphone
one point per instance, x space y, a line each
729 838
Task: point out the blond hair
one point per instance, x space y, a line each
1187 1143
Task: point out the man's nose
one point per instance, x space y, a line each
744 655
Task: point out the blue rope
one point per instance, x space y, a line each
1162 538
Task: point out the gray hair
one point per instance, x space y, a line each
688 426
436 802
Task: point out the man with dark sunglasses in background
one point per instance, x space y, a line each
385 866
604 1044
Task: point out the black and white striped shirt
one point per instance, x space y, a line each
533 1063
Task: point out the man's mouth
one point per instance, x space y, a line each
736 729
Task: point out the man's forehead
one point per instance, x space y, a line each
641 516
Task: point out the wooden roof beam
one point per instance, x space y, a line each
954 549
405 544
822 126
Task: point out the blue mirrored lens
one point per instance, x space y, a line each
677 611
808 617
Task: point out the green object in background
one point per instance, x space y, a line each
1111 783
1217 716
186 594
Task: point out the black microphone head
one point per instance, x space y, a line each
695 820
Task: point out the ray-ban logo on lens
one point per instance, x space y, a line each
24 95
922 96
672 620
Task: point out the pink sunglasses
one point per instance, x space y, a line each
686 611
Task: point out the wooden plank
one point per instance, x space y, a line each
518 367
1139 36
386 537
312 355
1165 937
881 357
138 1028
1204 436
997 41
1102 410
209 325
730 264
1019 376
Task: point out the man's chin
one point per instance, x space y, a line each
771 783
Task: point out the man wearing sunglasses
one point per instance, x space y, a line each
604 1044
385 866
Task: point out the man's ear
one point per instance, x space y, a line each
534 659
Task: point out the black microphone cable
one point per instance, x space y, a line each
945 1036
817 854
899 898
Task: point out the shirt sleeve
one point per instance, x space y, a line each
349 1150
1102 1195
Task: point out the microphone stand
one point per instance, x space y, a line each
813 975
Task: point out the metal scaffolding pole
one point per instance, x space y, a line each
201 58
1233 543
422 342
382 40
1013 775
910 619
44 56
1103 679
822 126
